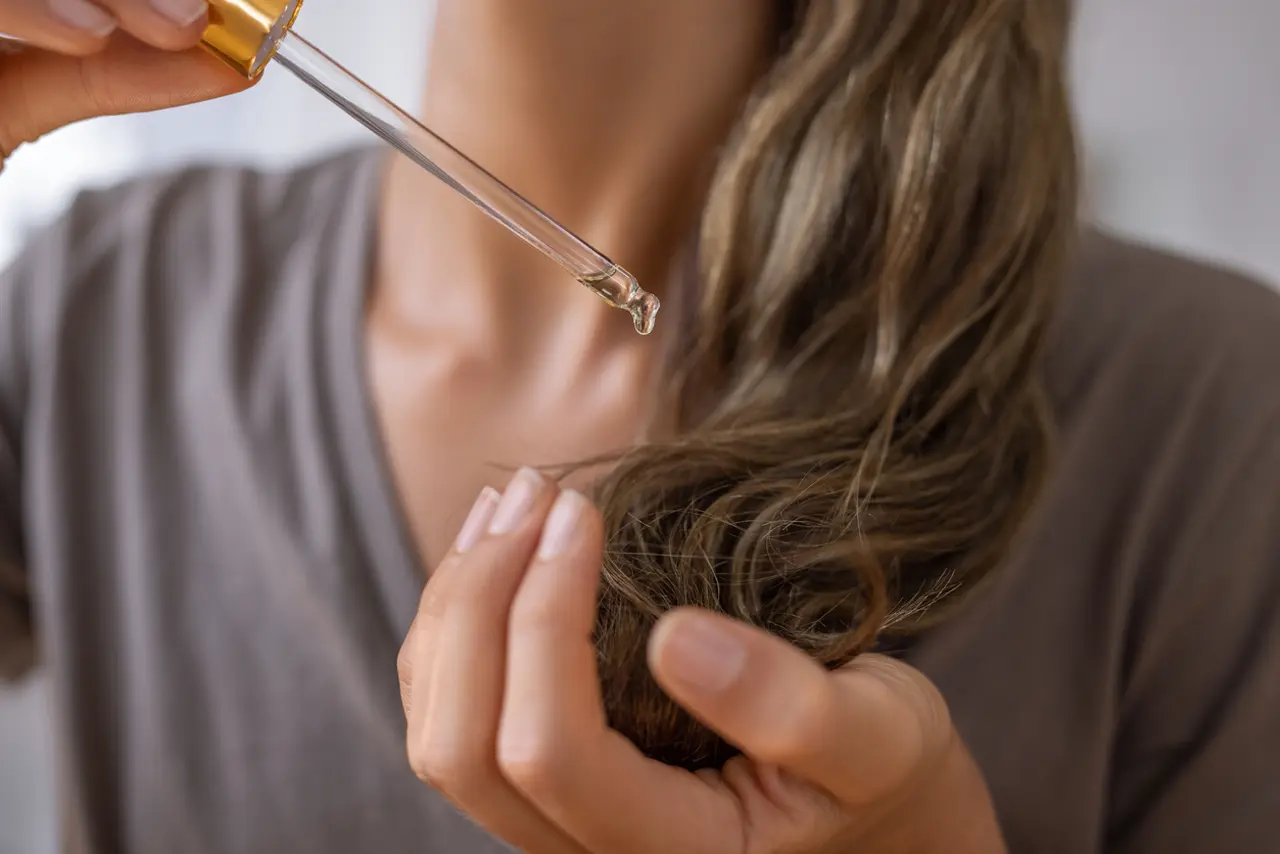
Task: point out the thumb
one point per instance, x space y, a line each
42 91
863 733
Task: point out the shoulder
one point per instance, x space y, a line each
1166 375
146 259
1166 372
181 221
1155 338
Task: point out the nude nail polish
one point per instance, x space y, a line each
183 13
516 501
562 525
477 520
84 16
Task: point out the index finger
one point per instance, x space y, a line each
73 27
164 24
554 741
41 91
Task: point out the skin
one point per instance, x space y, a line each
127 58
534 371
483 356
509 723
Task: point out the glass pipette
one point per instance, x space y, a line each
591 268
248 34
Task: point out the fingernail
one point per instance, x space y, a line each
702 655
184 13
562 525
516 501
481 513
84 16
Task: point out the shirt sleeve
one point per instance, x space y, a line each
51 299
1197 757
17 640
56 261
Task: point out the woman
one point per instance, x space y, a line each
901 407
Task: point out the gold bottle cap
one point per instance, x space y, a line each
244 33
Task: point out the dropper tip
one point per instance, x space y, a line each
620 289
642 304
644 311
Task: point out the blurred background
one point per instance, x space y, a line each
1178 114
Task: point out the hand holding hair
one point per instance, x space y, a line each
502 695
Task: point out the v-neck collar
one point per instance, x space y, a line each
381 527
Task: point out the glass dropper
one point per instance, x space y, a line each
248 34
591 268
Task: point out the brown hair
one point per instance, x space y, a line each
861 421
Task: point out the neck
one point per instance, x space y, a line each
607 115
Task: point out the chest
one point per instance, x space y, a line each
451 425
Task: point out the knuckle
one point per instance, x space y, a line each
451 770
538 770
418 760
934 717
97 85
404 660
536 611
404 670
895 684
432 606
491 576
81 48
801 730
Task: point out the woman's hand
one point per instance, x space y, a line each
505 716
86 58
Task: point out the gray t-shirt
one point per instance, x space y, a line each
196 518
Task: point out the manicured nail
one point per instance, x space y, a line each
562 525
84 16
701 654
516 501
184 13
477 519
